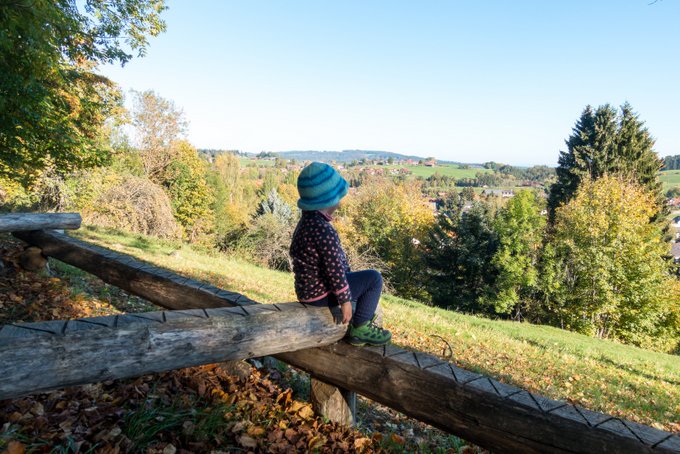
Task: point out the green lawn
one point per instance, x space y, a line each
450 170
636 384
670 179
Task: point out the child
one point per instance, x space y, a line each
322 275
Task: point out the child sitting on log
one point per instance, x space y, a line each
322 274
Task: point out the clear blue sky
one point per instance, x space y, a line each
469 81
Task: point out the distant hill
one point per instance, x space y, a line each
347 155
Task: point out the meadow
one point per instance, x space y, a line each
670 179
600 375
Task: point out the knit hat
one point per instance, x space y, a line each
320 186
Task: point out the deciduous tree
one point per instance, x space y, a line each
158 123
52 104
612 279
520 229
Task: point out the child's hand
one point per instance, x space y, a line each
346 312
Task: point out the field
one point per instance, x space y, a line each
449 170
670 179
625 381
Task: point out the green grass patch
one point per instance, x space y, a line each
670 179
449 170
625 381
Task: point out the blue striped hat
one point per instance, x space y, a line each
320 186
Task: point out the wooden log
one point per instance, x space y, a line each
494 415
47 355
21 222
158 285
335 404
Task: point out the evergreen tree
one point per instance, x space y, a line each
273 204
606 143
459 261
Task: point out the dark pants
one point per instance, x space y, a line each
365 287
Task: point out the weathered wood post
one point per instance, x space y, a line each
333 403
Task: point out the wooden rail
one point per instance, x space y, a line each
48 355
19 222
482 410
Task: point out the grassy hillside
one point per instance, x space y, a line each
600 375
670 179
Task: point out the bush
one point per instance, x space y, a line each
135 204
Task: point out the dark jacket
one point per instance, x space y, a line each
319 263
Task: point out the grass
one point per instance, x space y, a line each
670 179
450 170
600 375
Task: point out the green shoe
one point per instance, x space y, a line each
367 334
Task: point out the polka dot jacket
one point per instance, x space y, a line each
319 263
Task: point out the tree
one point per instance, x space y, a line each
158 123
520 229
603 143
671 162
467 194
461 272
52 105
191 197
609 276
269 234
389 220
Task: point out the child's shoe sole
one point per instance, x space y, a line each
356 342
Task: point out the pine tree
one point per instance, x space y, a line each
606 143
459 261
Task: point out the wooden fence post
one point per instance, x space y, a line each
335 404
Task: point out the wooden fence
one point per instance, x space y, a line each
480 409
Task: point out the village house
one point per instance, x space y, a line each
505 193
673 202
675 223
675 252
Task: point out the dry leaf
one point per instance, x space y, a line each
256 431
248 442
14 447
398 439
306 412
362 443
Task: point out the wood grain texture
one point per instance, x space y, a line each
20 222
494 415
47 355
333 403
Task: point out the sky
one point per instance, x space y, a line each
467 81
